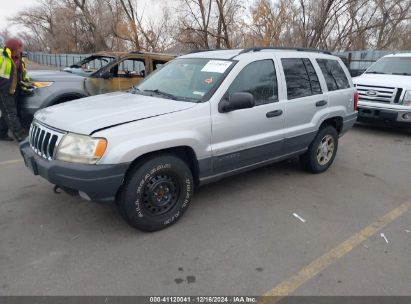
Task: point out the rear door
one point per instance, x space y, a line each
248 136
304 101
340 92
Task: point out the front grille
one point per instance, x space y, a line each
378 94
44 140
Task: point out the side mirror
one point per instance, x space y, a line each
106 75
236 101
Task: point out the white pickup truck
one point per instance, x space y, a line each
385 90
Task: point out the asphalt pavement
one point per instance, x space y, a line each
239 236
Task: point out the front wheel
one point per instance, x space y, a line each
156 193
322 151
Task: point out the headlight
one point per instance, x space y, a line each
407 98
40 84
81 149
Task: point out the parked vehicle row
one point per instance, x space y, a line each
202 117
121 72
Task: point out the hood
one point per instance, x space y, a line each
55 76
86 115
384 80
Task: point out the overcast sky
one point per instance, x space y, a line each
10 8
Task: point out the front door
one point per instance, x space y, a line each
122 76
244 137
130 72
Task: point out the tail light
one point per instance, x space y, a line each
356 96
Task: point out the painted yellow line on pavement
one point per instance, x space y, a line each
10 162
291 284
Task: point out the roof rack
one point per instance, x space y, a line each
257 49
204 50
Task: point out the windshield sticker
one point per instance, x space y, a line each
198 93
208 80
216 66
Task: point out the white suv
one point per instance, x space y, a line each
385 90
202 117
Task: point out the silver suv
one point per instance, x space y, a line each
202 117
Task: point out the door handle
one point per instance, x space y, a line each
274 113
321 103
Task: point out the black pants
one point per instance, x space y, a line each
9 118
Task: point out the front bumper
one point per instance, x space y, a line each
397 116
99 182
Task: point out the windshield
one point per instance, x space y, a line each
391 65
186 79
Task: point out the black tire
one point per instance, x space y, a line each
156 193
315 161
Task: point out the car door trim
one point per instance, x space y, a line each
208 179
230 163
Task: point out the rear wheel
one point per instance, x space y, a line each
322 151
156 193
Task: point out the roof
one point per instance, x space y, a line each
147 54
109 54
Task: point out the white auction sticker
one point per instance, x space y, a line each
198 93
216 66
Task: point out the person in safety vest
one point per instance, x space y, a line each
12 74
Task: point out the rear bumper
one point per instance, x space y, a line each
99 182
397 116
348 122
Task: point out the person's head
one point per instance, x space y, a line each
16 48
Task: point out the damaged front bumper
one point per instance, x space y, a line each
99 183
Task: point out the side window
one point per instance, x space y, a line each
334 74
131 68
301 78
258 78
315 83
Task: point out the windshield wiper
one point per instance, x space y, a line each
375 72
134 90
158 92
406 74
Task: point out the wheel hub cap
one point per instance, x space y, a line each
325 150
160 194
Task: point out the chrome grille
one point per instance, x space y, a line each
377 94
44 140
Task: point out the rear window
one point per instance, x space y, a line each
334 74
301 78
